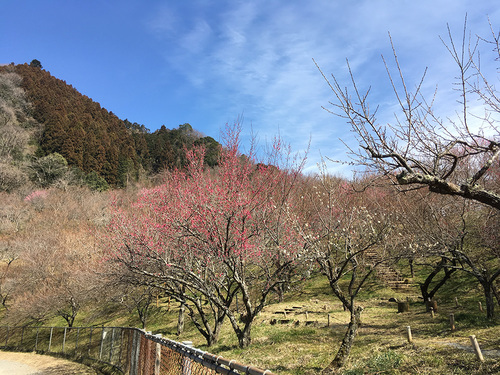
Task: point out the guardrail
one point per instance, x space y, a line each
129 351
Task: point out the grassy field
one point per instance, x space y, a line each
306 344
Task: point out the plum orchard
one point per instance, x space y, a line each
207 237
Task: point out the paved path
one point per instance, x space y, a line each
12 363
12 367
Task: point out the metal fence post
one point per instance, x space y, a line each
90 340
111 347
186 361
121 346
77 336
135 352
36 340
136 355
133 363
64 340
147 355
158 357
50 338
103 335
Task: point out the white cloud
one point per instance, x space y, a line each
255 57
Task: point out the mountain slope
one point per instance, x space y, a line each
88 136
92 138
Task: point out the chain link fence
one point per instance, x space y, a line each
128 351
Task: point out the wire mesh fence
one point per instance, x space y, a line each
128 350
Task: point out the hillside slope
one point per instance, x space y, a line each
93 139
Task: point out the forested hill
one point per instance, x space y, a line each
93 139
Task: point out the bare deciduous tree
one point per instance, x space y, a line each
345 235
453 156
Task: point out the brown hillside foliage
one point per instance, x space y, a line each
76 127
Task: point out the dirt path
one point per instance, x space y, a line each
12 363
486 352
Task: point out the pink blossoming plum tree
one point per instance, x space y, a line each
207 236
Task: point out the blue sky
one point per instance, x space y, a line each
208 62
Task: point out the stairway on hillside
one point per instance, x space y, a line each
386 273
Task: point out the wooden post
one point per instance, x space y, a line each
480 306
307 316
452 322
476 347
328 320
408 334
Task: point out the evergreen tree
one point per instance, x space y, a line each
36 64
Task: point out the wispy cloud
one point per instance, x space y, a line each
256 57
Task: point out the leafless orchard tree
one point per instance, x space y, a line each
346 235
7 285
455 156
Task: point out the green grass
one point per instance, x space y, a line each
381 346
386 362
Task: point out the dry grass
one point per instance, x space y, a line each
381 346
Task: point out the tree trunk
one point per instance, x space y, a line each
495 293
280 292
425 292
218 325
244 337
180 319
345 347
70 320
424 287
213 337
210 337
142 318
412 272
490 299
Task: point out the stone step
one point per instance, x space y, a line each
385 272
